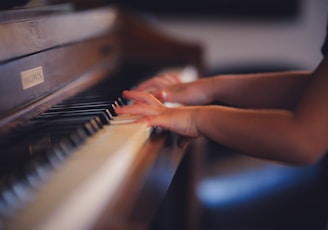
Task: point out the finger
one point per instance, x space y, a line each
171 79
159 82
155 92
158 120
153 83
169 119
143 97
134 109
161 95
145 85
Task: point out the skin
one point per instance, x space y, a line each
278 116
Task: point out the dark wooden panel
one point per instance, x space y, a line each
40 32
143 190
61 66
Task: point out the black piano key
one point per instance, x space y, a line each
121 101
14 195
79 105
78 137
22 190
105 117
9 202
90 128
33 178
112 110
75 110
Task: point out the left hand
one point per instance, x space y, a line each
176 119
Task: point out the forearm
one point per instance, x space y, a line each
270 134
268 90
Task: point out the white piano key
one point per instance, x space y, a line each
125 119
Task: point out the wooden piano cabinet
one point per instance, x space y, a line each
113 49
143 190
180 208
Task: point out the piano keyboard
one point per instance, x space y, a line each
71 168
83 149
72 207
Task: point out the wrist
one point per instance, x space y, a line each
197 119
210 87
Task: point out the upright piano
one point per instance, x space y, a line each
67 161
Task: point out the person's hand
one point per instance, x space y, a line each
168 88
159 82
159 85
176 119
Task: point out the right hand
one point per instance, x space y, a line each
168 88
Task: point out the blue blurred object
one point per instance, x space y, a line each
252 184
241 192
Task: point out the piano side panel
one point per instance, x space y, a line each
143 190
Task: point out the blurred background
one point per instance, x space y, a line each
244 33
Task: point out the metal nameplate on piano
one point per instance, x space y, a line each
32 77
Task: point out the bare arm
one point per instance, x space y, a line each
263 90
298 136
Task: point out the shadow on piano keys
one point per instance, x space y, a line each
65 164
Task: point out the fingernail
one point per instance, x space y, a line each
164 95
